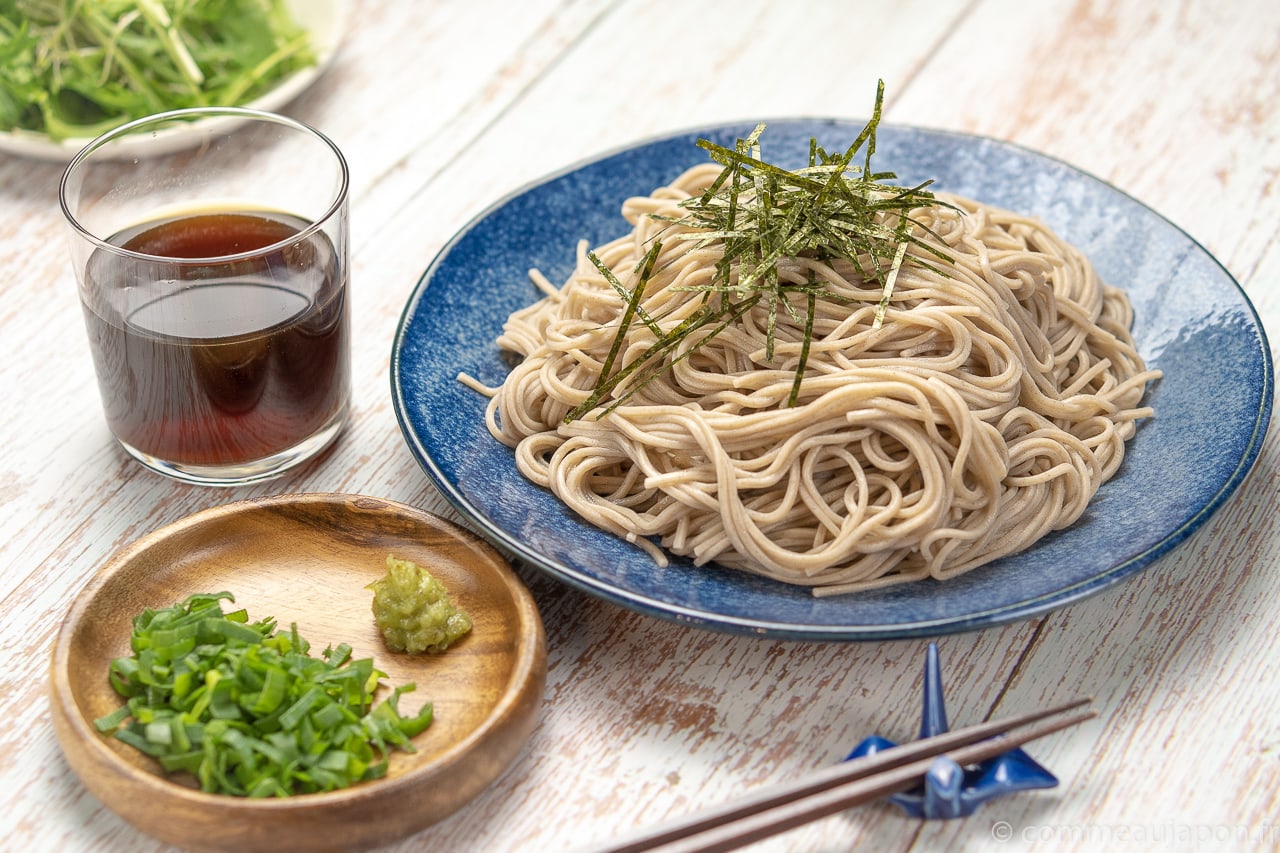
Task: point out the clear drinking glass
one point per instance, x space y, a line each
214 286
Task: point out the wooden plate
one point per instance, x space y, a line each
307 559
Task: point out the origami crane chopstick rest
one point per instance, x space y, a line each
950 790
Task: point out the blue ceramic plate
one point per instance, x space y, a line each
1193 322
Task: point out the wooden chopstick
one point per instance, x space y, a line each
778 808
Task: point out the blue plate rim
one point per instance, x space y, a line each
761 627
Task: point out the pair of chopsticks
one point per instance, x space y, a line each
776 809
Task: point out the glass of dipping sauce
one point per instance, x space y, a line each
213 279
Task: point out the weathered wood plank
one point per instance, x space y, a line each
1175 104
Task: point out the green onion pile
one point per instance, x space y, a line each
246 710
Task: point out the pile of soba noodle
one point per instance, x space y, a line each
984 411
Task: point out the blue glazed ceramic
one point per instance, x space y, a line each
1193 322
949 790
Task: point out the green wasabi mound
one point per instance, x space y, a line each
413 610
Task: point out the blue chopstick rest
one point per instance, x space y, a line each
950 790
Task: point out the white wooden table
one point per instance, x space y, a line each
442 108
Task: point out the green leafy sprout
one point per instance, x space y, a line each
759 214
77 68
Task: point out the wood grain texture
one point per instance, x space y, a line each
307 561
443 111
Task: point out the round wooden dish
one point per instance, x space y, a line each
307 559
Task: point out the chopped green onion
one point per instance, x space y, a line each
246 710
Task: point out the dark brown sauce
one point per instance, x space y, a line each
185 381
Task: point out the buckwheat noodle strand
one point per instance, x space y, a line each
982 414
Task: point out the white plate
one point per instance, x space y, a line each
325 20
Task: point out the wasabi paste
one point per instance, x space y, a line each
413 610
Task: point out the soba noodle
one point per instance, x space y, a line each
983 413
